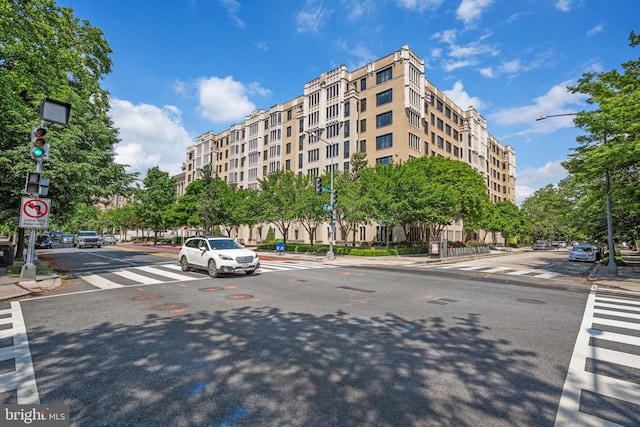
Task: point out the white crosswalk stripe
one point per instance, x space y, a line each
479 268
602 387
167 272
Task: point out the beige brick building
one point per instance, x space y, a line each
387 109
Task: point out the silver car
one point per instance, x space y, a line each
583 253
66 238
217 255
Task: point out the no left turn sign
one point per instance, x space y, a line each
34 213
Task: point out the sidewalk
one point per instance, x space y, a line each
628 277
12 287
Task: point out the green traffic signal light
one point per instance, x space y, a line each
39 146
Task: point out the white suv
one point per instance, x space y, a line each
217 255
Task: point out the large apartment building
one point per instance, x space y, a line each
387 109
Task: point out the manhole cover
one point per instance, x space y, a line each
146 297
210 289
169 306
239 296
530 301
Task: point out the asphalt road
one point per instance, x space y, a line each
299 345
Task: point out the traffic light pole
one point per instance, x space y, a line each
28 272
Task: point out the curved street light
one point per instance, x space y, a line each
612 267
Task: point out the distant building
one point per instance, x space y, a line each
387 109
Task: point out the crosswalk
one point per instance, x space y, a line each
162 273
493 270
20 379
602 387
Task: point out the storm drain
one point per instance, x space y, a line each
211 289
239 296
530 301
146 297
169 306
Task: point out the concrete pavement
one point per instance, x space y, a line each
628 278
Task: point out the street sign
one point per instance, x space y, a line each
34 213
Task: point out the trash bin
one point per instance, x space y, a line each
280 248
6 255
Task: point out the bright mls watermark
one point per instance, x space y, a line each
34 415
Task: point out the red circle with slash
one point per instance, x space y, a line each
35 208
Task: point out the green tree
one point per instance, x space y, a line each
278 199
46 51
155 198
308 207
611 145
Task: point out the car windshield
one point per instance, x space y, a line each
583 248
224 244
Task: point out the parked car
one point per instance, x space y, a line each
109 239
55 235
66 238
217 255
583 252
83 239
541 245
44 242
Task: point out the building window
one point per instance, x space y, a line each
384 141
439 105
363 125
384 97
384 160
363 146
440 124
363 105
384 119
287 148
288 130
346 150
347 109
384 75
363 84
287 164
440 142
347 128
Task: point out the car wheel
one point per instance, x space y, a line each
212 269
99 246
184 265
250 271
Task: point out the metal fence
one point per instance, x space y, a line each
465 251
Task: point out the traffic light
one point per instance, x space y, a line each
39 145
334 197
318 185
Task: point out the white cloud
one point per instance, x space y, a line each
563 5
419 5
558 100
226 100
470 10
150 136
595 30
312 17
530 179
233 7
462 98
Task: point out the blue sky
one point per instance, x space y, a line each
184 67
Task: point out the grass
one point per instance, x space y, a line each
16 270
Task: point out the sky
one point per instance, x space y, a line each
184 67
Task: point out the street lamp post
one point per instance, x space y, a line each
332 211
612 267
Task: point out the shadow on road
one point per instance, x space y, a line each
261 366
